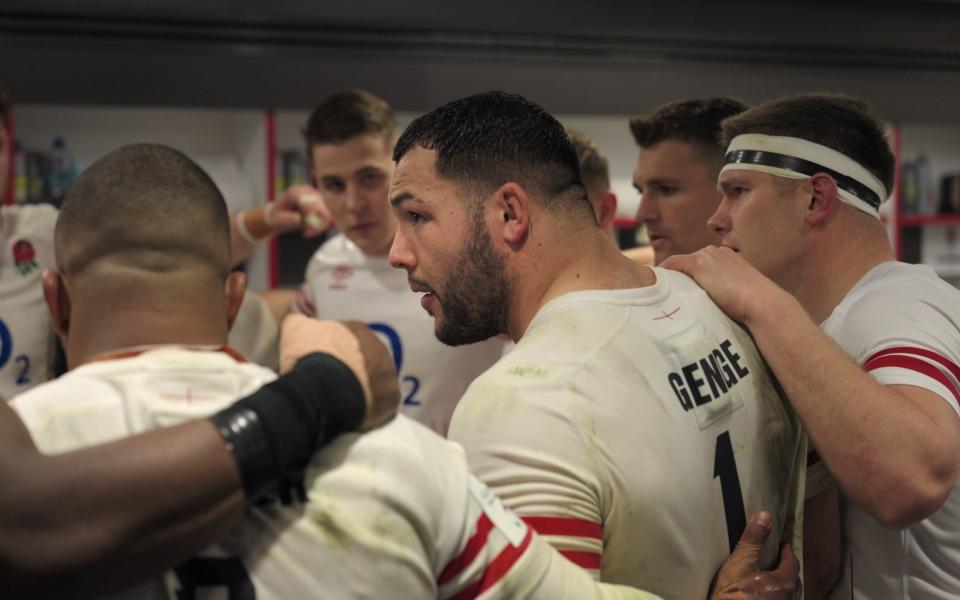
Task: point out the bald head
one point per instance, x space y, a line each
146 208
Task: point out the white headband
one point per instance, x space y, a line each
796 158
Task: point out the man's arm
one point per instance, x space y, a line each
108 516
105 517
299 207
543 574
521 444
894 450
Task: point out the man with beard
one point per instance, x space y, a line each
349 138
143 301
633 425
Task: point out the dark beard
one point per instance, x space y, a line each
476 293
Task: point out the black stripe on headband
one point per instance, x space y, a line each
805 167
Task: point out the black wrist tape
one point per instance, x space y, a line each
275 431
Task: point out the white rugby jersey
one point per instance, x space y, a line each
343 283
392 513
901 323
26 243
636 430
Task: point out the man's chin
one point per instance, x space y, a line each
451 337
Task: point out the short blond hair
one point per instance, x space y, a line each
594 167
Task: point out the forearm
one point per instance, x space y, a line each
877 446
248 229
557 577
240 249
101 518
97 519
297 208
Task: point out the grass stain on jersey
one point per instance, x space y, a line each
331 524
528 371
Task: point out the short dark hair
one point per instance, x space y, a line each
147 207
488 139
840 122
694 121
347 114
4 109
594 167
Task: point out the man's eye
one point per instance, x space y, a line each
333 186
414 217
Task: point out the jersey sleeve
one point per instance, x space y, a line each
903 339
502 557
523 444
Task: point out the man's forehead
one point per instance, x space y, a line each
325 171
351 156
733 177
735 174
416 177
418 166
676 162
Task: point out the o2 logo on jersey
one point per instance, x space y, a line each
396 348
6 349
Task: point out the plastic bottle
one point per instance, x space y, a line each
21 189
62 170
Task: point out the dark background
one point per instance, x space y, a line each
613 57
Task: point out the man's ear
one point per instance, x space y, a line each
823 199
234 289
58 300
607 210
512 206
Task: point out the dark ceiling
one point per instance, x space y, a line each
575 57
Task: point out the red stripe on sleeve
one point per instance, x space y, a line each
583 559
470 552
500 566
916 365
565 526
925 353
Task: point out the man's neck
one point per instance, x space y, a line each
104 329
584 260
838 266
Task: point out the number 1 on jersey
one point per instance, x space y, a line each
725 467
